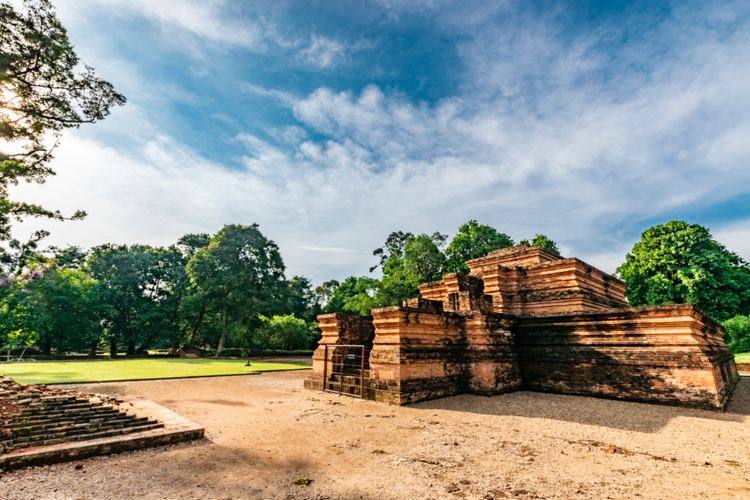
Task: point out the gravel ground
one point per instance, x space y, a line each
266 432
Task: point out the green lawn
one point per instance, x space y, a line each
99 371
742 358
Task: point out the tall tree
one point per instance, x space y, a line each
473 240
64 308
241 274
679 263
324 293
303 302
194 305
141 285
542 241
41 94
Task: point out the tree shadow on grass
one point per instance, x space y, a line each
623 415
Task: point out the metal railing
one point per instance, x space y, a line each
345 360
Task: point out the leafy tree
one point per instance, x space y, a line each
40 95
541 240
64 309
190 244
407 261
324 293
679 263
423 260
72 257
738 333
473 240
142 287
194 305
366 294
284 332
22 254
241 274
303 301
341 294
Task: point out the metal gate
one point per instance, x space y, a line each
346 362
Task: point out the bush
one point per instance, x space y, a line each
284 332
738 333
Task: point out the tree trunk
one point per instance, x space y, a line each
113 348
195 329
131 347
47 345
92 351
174 347
224 329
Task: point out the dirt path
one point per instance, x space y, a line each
265 432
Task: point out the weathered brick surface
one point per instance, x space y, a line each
668 354
43 426
340 329
526 318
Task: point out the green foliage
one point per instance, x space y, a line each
341 294
473 240
41 94
72 257
737 334
407 261
141 297
679 263
284 332
303 301
542 241
64 309
142 288
240 275
324 293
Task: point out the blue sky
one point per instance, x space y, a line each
332 124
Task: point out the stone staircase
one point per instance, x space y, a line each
36 416
351 383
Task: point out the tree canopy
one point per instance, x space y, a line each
473 240
42 92
737 333
678 263
542 241
240 274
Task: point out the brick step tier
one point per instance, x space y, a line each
56 419
62 416
348 379
41 408
346 388
65 426
86 437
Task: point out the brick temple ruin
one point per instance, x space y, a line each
527 319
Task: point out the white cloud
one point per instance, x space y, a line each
216 20
536 142
323 52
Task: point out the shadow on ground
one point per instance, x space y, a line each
638 417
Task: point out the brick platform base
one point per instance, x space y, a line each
41 425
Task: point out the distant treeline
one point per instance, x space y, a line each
230 289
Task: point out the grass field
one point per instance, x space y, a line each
99 371
742 358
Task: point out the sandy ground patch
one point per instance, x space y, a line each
265 432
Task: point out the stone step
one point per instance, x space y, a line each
116 432
47 411
83 433
75 418
348 379
50 427
346 388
